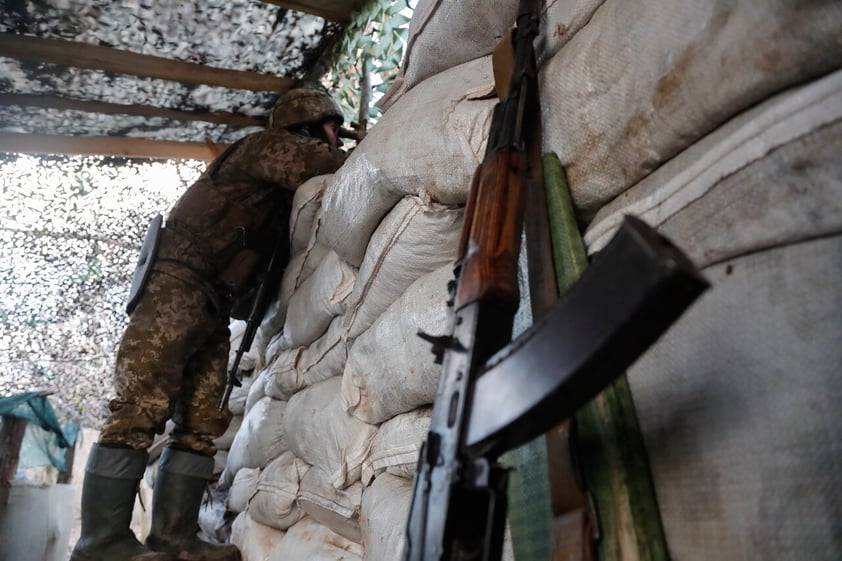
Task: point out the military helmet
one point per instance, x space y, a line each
302 106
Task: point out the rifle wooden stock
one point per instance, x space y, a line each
491 233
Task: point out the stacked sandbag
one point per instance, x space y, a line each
735 402
642 81
254 540
372 253
629 88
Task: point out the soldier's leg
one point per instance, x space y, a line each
198 421
162 332
186 465
172 320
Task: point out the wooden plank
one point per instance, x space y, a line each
64 104
333 10
107 146
11 437
83 55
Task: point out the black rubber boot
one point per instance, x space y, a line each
111 479
179 487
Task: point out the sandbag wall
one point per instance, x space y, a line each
715 121
322 464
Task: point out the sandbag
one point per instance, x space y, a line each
560 22
414 239
390 370
220 460
396 445
299 268
242 488
384 511
744 187
644 80
294 370
317 301
428 146
257 389
225 441
305 205
446 34
321 433
738 408
254 540
310 541
337 509
273 502
261 438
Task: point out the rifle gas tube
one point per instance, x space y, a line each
494 393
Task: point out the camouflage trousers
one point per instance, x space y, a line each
171 364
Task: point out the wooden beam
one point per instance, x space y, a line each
64 104
83 55
19 143
333 10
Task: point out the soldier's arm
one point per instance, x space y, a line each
283 158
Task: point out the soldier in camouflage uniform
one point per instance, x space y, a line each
172 359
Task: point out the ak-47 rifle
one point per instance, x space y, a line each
266 292
495 394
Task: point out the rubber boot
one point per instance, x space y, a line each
179 487
108 492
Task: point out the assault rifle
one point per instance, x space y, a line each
495 394
266 292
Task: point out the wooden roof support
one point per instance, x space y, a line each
107 146
83 55
333 10
64 104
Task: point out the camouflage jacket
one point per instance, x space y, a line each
222 229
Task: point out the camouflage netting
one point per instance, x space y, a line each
71 228
240 34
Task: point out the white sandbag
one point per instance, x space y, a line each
294 370
644 80
242 489
225 441
385 508
383 515
560 22
257 389
310 541
274 500
396 445
438 39
390 370
220 460
317 301
744 186
414 239
337 509
321 433
738 406
305 205
254 540
428 145
446 34
299 268
261 438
